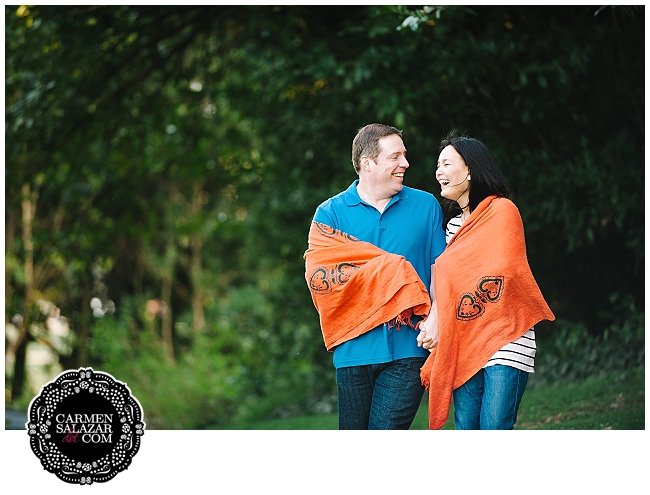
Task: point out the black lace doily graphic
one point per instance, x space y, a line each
85 426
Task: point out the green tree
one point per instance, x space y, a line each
172 157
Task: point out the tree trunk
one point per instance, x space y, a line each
166 296
10 234
138 271
86 322
198 316
167 335
18 381
19 349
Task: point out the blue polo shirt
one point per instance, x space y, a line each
411 226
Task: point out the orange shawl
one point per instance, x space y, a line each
357 286
486 297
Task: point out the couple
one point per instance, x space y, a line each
413 297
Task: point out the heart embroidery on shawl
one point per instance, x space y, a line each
488 290
469 308
491 287
322 279
345 271
318 282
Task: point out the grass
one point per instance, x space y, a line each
611 401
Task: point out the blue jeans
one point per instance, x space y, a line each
380 396
490 399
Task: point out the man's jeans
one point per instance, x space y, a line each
490 399
380 396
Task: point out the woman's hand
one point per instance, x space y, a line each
428 336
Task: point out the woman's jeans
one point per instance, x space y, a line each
380 396
490 399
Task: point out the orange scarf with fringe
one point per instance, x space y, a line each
356 286
486 298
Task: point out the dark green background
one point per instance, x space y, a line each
177 154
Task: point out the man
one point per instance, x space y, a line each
377 368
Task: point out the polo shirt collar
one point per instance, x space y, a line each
352 197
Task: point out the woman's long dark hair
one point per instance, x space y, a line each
486 178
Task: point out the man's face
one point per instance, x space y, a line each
387 170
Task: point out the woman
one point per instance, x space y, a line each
481 337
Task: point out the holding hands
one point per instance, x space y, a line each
428 336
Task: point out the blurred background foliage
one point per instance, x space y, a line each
163 165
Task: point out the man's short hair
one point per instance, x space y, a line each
366 142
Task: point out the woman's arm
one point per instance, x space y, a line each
428 336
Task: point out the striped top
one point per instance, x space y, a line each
519 354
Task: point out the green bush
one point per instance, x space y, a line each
249 364
573 353
196 390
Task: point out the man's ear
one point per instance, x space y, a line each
365 163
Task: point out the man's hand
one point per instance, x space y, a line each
428 336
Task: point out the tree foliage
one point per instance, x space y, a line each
166 161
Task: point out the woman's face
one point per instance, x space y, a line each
453 175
